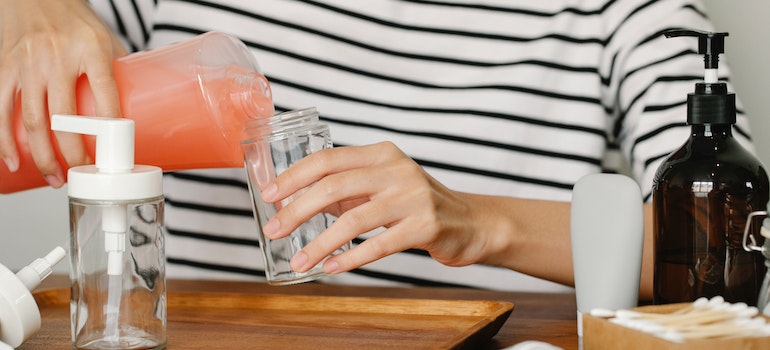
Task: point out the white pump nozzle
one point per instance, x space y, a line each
114 139
34 273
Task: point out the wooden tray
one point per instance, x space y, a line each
265 321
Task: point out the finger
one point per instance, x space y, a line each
8 150
352 223
99 70
332 189
35 116
406 233
391 241
317 165
62 100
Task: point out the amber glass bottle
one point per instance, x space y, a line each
702 195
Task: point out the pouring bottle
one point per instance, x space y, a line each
189 101
702 195
118 290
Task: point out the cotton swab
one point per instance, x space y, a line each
704 318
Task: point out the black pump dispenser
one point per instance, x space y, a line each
702 195
710 103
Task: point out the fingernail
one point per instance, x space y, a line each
269 192
12 163
271 228
331 267
298 262
54 180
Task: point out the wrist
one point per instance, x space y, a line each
492 229
525 235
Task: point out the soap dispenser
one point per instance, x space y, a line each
118 291
702 195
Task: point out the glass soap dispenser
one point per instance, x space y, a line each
118 290
702 195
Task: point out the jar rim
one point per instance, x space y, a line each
280 124
280 117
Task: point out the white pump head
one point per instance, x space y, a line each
114 139
19 314
114 177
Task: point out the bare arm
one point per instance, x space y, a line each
539 242
378 185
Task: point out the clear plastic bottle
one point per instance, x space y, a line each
190 102
702 195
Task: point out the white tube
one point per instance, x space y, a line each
114 225
711 76
607 235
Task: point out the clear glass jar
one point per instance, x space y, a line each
118 293
274 145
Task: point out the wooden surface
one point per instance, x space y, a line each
535 316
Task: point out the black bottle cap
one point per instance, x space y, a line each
711 103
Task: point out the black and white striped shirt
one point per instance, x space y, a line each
504 97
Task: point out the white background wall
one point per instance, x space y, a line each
33 222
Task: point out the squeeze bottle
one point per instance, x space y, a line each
118 289
189 100
702 195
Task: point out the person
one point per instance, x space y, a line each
460 127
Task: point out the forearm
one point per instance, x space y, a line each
532 237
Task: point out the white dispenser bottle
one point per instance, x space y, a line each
117 249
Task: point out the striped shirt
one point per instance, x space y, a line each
503 97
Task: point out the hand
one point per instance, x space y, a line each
368 187
44 47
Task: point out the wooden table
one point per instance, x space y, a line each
536 316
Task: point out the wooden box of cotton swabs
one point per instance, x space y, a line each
705 324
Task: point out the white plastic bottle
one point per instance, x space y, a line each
117 253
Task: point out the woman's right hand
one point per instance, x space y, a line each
44 47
